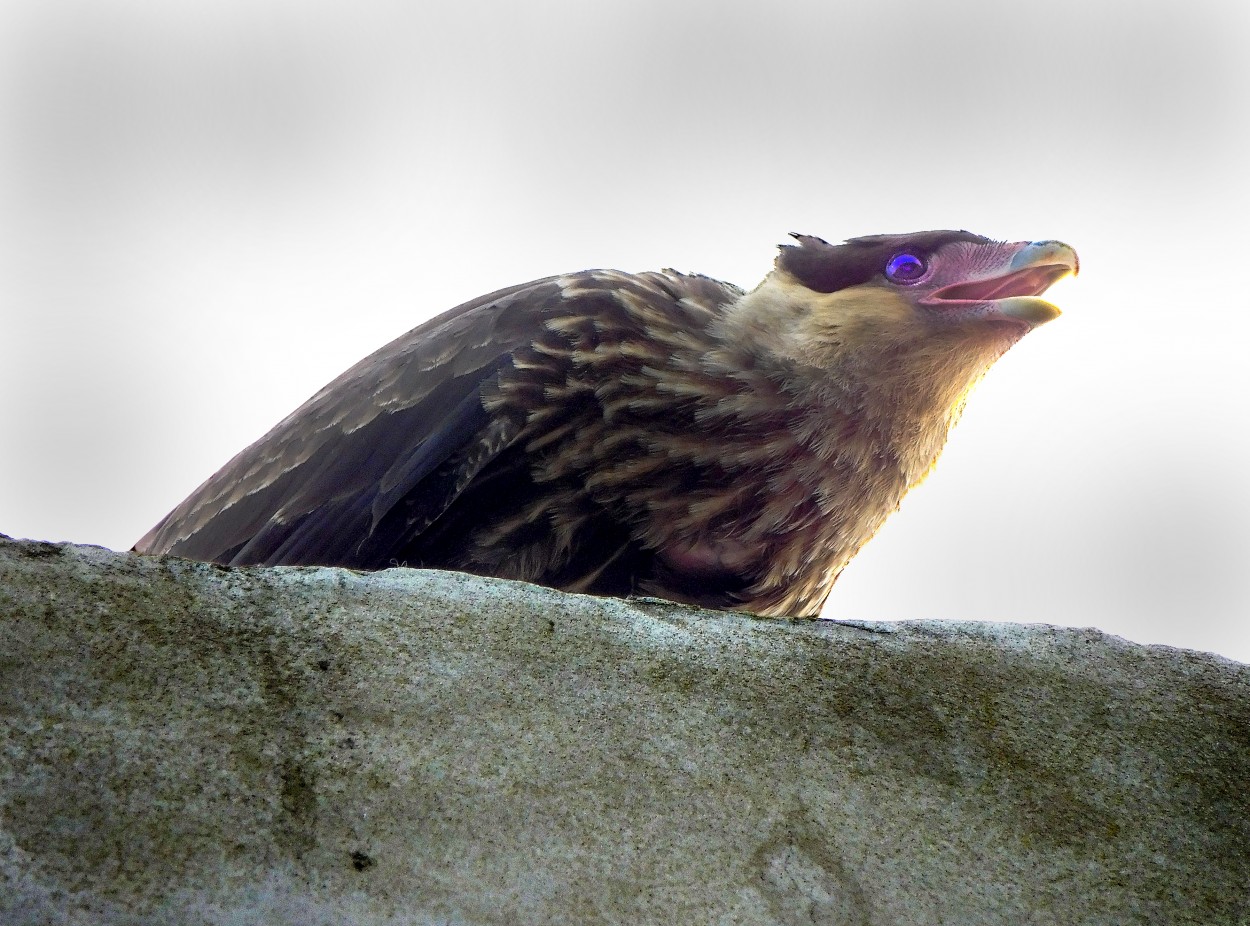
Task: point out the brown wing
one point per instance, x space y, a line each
323 486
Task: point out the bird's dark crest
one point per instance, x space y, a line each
827 268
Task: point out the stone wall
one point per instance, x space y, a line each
182 743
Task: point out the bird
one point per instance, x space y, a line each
657 434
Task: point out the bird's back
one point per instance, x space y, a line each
483 440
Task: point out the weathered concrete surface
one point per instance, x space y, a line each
182 743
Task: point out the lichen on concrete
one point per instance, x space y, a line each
185 743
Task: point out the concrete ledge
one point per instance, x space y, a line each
182 743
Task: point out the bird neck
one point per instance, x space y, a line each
864 376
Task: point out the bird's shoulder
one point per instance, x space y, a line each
473 340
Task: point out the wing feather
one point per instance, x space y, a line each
317 487
475 442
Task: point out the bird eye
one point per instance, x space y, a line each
905 268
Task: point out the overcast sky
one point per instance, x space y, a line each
210 209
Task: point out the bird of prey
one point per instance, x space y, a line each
660 434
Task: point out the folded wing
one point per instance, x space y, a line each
405 425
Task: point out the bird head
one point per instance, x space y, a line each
947 276
898 325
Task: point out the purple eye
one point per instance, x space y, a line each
905 268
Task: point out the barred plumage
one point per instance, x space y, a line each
656 433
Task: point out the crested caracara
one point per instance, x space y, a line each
654 434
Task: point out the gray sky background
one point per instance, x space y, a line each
210 209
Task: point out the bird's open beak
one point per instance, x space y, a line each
1011 286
